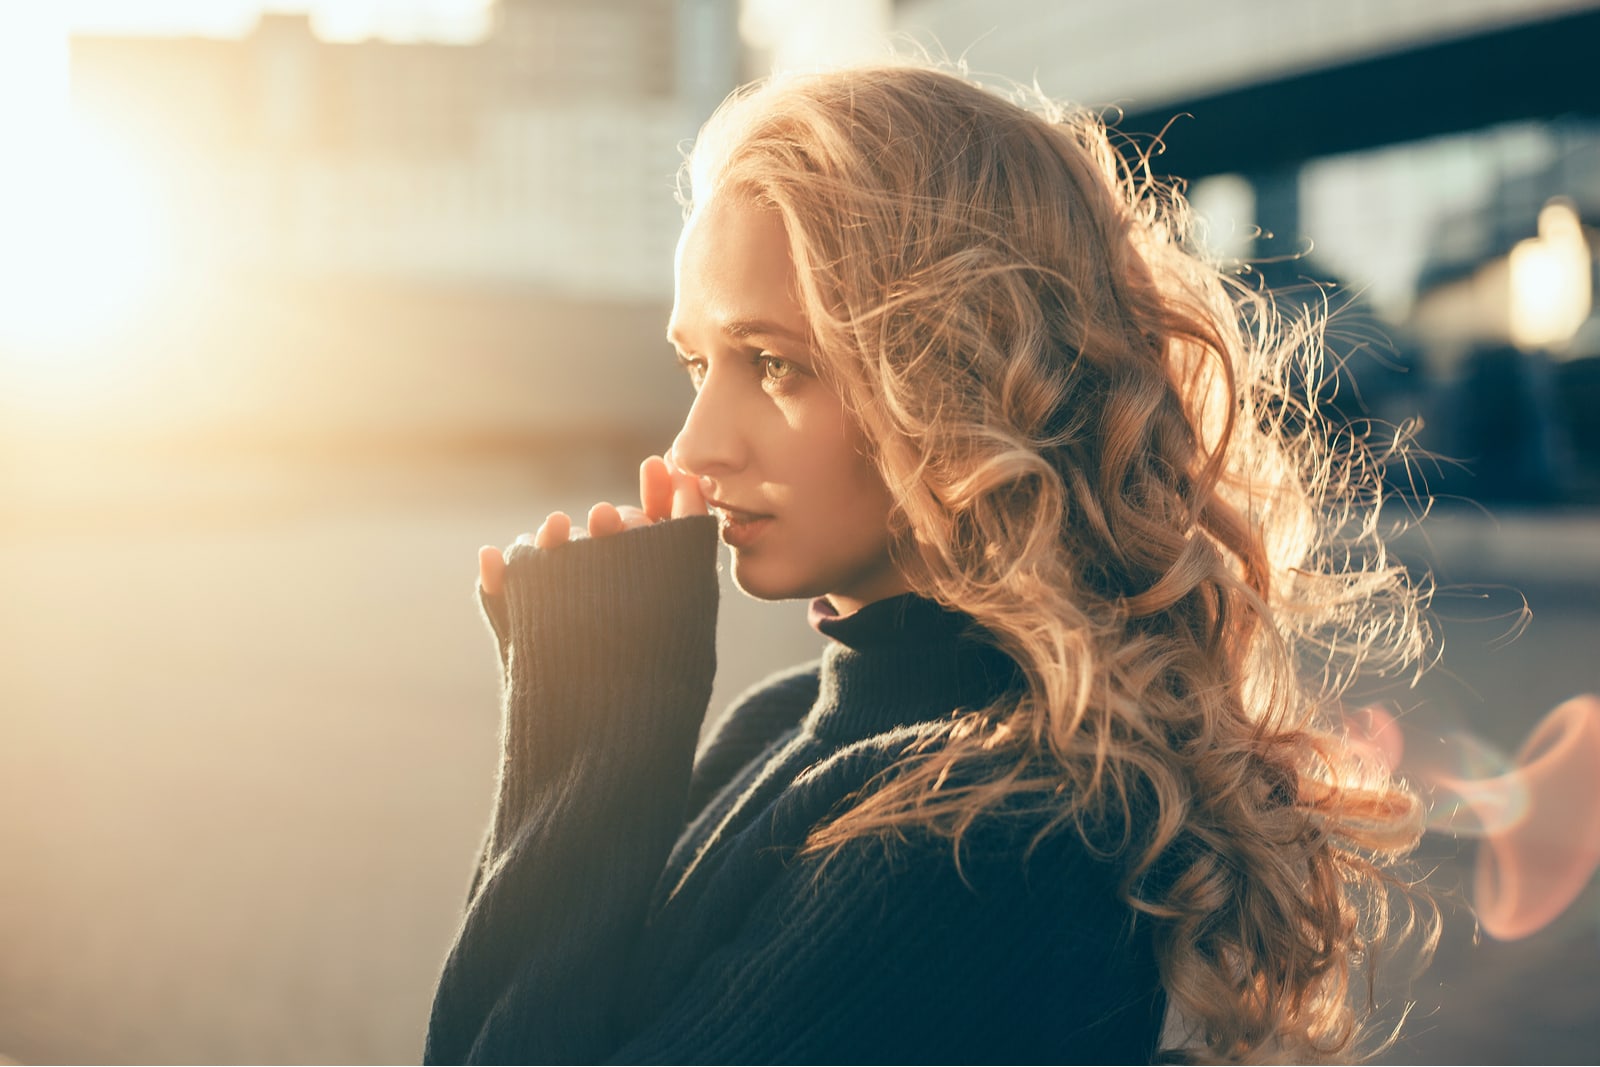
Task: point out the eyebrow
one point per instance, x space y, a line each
746 328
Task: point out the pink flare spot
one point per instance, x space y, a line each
1532 869
1475 758
1479 807
1375 734
1477 790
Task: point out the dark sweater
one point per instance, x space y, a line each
640 903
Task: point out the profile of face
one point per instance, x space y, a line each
779 459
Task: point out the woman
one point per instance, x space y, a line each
961 382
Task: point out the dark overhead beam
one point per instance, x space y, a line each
1538 70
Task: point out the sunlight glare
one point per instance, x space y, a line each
79 232
82 247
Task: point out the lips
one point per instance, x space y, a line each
739 528
728 511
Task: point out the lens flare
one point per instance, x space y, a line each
1532 870
1375 734
1476 789
1537 815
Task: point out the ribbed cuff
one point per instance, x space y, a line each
609 647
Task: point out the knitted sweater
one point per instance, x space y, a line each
637 902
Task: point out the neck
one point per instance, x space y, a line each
852 602
901 661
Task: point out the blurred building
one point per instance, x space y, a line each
544 154
1405 150
436 241
383 247
1505 316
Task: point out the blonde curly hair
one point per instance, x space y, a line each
1092 443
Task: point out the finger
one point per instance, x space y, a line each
633 517
554 531
604 520
491 570
686 497
655 488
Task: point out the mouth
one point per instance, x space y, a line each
729 513
739 527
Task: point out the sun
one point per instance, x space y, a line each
80 242
81 226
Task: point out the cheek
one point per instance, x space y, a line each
862 501
826 455
864 473
824 458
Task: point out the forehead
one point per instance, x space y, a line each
733 266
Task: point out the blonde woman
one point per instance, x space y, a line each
962 383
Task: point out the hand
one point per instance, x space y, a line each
664 493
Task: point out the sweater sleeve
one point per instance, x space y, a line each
608 649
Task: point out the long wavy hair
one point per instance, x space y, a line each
1107 451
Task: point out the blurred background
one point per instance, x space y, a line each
300 303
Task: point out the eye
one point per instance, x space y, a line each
774 368
694 367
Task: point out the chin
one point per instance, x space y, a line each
761 583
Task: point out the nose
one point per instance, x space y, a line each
711 443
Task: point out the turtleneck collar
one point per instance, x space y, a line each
902 661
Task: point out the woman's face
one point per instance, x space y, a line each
801 507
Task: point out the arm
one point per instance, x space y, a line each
609 654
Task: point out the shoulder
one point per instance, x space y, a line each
755 719
1015 936
759 714
1029 847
